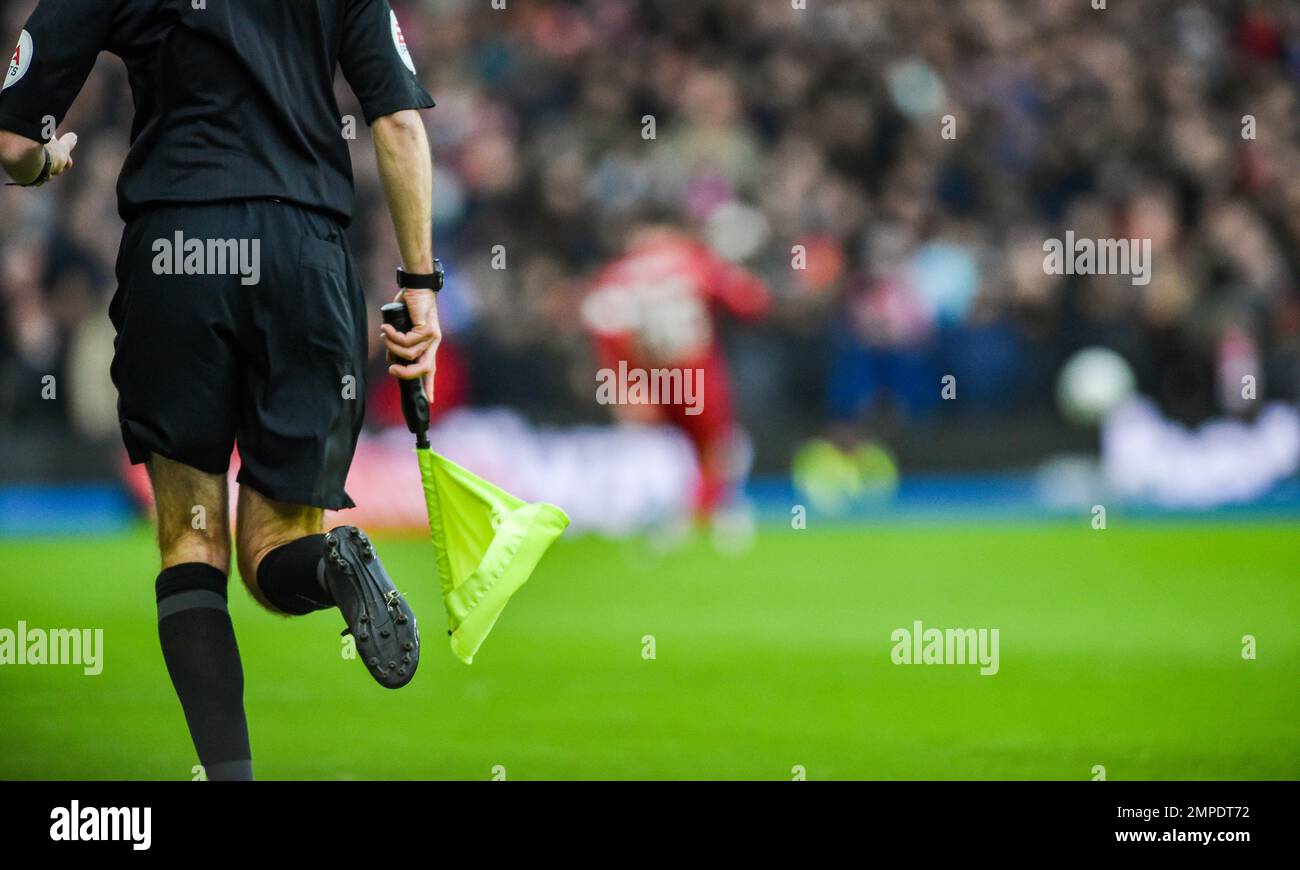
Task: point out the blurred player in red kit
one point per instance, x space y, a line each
655 307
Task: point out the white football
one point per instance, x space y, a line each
1093 383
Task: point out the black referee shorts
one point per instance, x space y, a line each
242 321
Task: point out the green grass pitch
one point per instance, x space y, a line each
1119 647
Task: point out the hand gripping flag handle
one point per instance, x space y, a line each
415 405
486 542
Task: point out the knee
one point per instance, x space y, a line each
285 576
195 545
248 556
276 573
191 510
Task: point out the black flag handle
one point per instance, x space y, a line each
415 405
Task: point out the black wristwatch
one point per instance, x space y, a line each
414 281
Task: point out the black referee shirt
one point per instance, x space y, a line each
232 101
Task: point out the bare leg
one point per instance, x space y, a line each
194 628
193 510
265 525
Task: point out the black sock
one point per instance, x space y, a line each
198 644
292 576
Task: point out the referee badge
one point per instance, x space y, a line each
399 40
22 59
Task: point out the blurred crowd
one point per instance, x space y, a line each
890 168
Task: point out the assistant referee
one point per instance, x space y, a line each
239 314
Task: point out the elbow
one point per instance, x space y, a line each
406 124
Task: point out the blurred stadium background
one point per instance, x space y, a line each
778 131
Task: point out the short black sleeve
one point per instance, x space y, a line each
377 63
55 53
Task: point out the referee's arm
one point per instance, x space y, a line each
377 64
55 53
24 159
406 171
